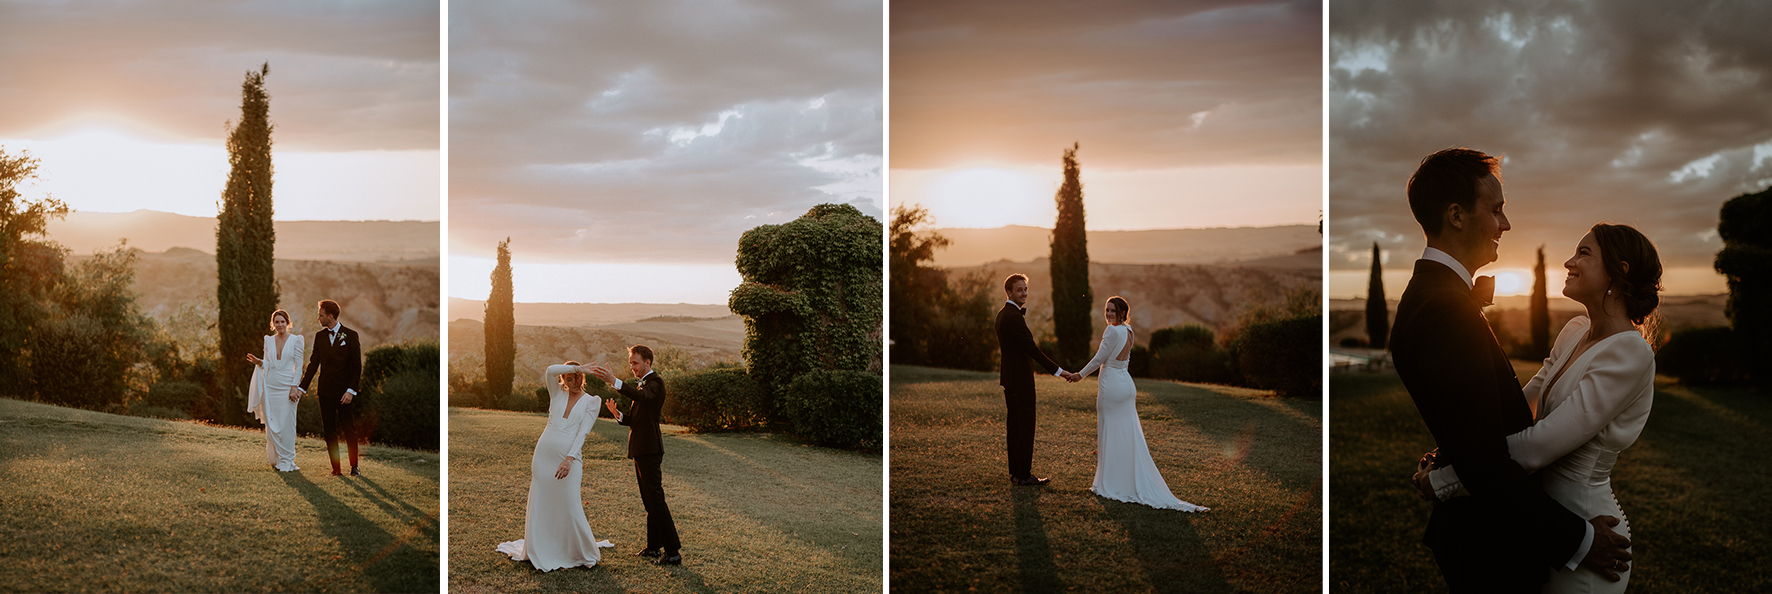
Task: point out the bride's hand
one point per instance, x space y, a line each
253 360
294 394
565 469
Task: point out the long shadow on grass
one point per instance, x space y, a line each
1032 551
394 507
1172 554
366 544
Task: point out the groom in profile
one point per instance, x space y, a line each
1017 378
646 449
1508 534
336 355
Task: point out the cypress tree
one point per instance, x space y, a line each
1073 305
1378 313
1540 310
501 330
1745 224
246 278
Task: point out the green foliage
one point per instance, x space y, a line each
838 408
399 397
811 296
1283 355
1378 313
29 269
93 336
722 398
935 322
1745 224
1702 356
1540 310
178 395
245 242
1189 353
501 330
1073 303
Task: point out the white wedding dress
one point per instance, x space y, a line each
1124 470
1594 411
556 533
267 398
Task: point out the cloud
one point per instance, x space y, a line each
657 131
1636 112
345 75
1140 84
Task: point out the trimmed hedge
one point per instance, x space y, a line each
1283 355
397 397
1191 354
716 399
836 408
1700 356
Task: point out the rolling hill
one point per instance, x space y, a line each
346 241
1221 245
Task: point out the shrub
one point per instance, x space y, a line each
174 394
723 398
70 365
520 402
399 395
1139 363
1699 356
1191 354
463 389
1283 355
835 408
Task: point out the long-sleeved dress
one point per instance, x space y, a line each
268 398
1124 470
556 533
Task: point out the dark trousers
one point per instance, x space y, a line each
338 420
661 532
1020 402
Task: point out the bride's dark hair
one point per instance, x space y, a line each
274 315
1639 287
1120 307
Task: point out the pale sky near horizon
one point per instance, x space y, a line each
1633 113
125 104
1203 113
624 147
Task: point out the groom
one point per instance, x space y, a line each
1017 379
646 449
1508 535
337 356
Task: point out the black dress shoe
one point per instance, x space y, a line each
669 559
653 553
1030 481
354 472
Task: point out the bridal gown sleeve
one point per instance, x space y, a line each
1112 341
551 379
255 389
587 418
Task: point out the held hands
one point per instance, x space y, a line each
1608 556
565 468
1072 377
294 394
1423 486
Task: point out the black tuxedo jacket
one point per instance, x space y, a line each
339 367
1467 393
642 417
1018 347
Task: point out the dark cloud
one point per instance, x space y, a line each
1640 112
1142 84
345 75
657 131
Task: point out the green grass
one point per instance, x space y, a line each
97 502
756 512
1694 487
958 524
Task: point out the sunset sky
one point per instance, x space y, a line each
1649 114
624 147
1190 114
125 103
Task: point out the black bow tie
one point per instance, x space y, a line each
1483 290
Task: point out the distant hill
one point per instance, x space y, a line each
704 341
338 241
1220 245
1347 317
585 315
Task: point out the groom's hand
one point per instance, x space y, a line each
1608 555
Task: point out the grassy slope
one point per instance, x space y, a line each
957 523
99 502
1693 487
756 512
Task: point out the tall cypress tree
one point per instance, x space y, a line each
1540 310
1072 302
246 277
1378 313
501 330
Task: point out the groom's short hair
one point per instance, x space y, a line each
1010 282
329 306
1444 178
643 351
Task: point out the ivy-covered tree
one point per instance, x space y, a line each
500 330
245 242
1745 224
811 296
29 268
1540 310
1073 304
1378 313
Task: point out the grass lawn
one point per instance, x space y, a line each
100 502
958 524
1694 488
756 512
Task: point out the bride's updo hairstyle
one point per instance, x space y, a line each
274 315
1120 307
1640 287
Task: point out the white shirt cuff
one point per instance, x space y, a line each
1587 542
617 384
1060 373
351 392
1445 483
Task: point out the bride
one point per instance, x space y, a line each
1592 397
1124 470
272 395
555 532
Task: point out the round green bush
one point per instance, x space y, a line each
716 399
836 408
1283 355
1701 356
